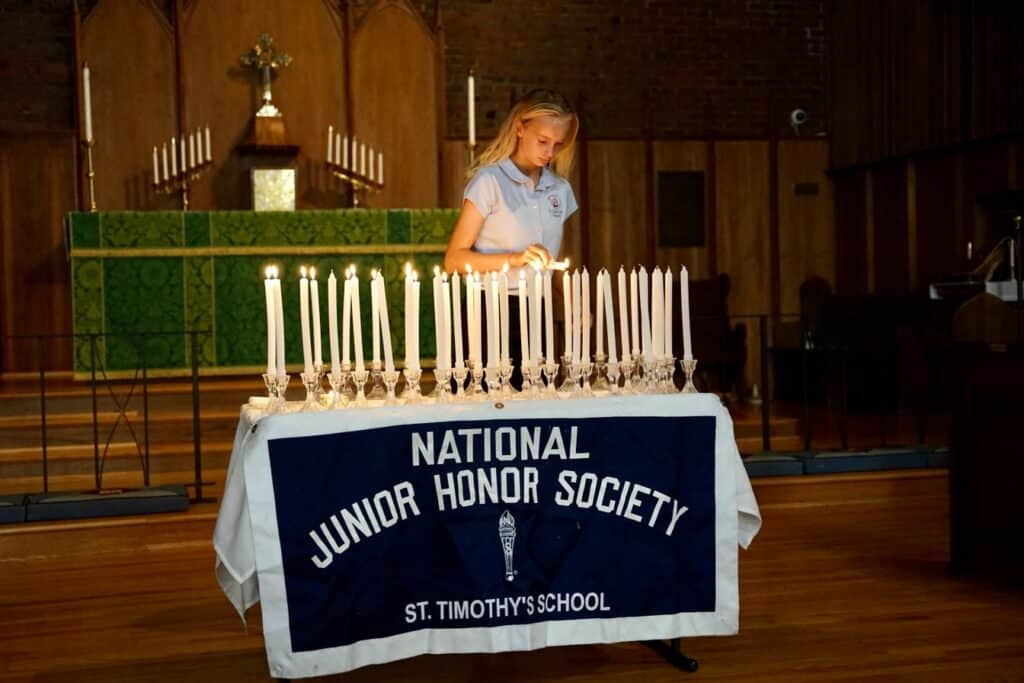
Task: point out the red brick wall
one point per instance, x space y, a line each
673 67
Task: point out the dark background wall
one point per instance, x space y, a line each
672 68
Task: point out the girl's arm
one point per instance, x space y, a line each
460 247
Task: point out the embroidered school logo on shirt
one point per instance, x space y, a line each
554 206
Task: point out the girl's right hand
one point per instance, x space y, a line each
534 255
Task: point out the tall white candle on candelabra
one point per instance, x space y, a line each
445 362
599 327
87 102
385 325
549 318
375 317
567 311
332 321
585 326
342 144
209 153
362 158
268 288
165 162
357 324
412 321
667 346
346 319
478 323
184 159
174 157
624 313
609 311
191 150
471 106
380 167
435 286
634 300
577 319
524 335
684 305
156 168
506 353
307 351
657 314
370 174
279 325
456 294
330 144
536 301
491 285
645 315
314 292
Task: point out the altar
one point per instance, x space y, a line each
166 273
370 534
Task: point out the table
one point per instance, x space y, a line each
375 534
170 271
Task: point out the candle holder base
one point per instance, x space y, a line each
650 379
311 380
337 396
378 391
320 374
600 381
505 370
550 371
443 390
475 391
626 368
459 373
531 381
347 384
566 388
586 369
412 386
667 370
390 378
492 379
276 387
689 367
359 377
613 378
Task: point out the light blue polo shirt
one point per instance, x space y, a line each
517 213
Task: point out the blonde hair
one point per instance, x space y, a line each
540 102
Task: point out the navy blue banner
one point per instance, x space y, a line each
471 524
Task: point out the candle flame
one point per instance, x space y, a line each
353 267
312 273
303 271
444 277
437 270
469 269
408 268
415 276
373 273
504 268
270 272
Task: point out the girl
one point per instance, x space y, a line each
517 197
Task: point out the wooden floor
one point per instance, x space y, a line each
847 581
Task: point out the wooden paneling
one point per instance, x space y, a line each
454 162
129 47
218 91
889 247
685 155
394 86
618 205
807 245
37 187
743 247
851 233
938 255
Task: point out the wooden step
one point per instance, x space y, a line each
80 460
215 476
780 444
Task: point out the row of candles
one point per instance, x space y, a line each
645 314
199 153
338 154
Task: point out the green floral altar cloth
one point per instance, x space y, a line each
165 273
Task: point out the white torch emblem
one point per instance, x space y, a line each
507 534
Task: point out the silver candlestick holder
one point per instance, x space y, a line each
311 380
443 390
492 378
689 366
347 387
390 378
667 370
626 368
276 387
359 377
357 181
412 385
505 373
650 383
